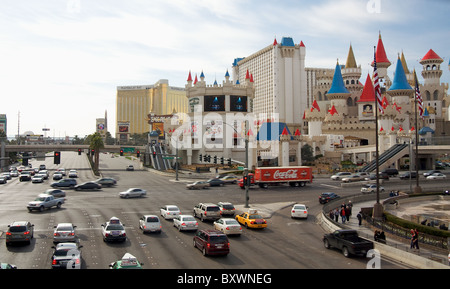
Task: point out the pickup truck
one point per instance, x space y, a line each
348 242
44 201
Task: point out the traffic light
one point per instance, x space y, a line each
222 161
154 153
229 162
25 159
215 159
92 152
138 153
200 157
79 151
209 158
245 180
205 158
121 152
57 158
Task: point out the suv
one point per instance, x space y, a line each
65 183
226 208
391 172
207 211
19 231
212 242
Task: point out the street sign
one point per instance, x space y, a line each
128 150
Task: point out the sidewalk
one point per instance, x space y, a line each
396 247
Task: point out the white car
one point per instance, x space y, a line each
37 179
185 222
299 211
371 188
340 175
228 226
169 211
436 176
113 230
64 232
66 256
73 174
133 192
150 223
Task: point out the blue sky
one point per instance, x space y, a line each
62 60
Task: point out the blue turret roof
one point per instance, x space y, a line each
425 130
271 131
338 82
400 81
287 41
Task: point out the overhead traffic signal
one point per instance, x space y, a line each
229 162
25 159
215 159
200 157
57 158
221 161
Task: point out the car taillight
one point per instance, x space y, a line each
54 262
208 245
71 234
227 228
183 224
77 261
306 212
293 211
26 233
8 233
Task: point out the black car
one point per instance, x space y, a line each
88 186
326 197
64 183
215 182
408 175
391 172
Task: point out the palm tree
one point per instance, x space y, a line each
96 143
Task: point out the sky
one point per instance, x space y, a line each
62 60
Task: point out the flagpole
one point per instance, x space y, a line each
378 207
417 189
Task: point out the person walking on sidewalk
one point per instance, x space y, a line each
359 216
416 243
343 215
336 215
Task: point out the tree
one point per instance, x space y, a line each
96 143
307 153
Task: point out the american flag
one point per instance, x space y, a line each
377 84
418 96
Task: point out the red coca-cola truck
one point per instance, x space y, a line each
266 176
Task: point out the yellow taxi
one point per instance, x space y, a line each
251 219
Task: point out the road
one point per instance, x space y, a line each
285 244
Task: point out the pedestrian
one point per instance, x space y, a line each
343 215
347 213
411 246
416 243
359 216
336 215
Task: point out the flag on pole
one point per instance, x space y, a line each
377 84
418 96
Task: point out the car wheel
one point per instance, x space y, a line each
58 206
202 218
41 208
195 245
345 252
326 244
204 252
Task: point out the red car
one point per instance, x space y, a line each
212 242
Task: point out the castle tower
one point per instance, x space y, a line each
338 93
431 72
382 61
351 73
401 94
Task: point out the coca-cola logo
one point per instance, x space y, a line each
289 174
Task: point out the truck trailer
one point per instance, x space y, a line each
264 177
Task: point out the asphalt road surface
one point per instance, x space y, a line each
285 244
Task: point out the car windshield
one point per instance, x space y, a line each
218 239
17 229
152 219
114 227
63 252
254 217
64 228
231 222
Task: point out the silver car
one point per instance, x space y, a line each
64 232
150 223
185 222
133 192
198 185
